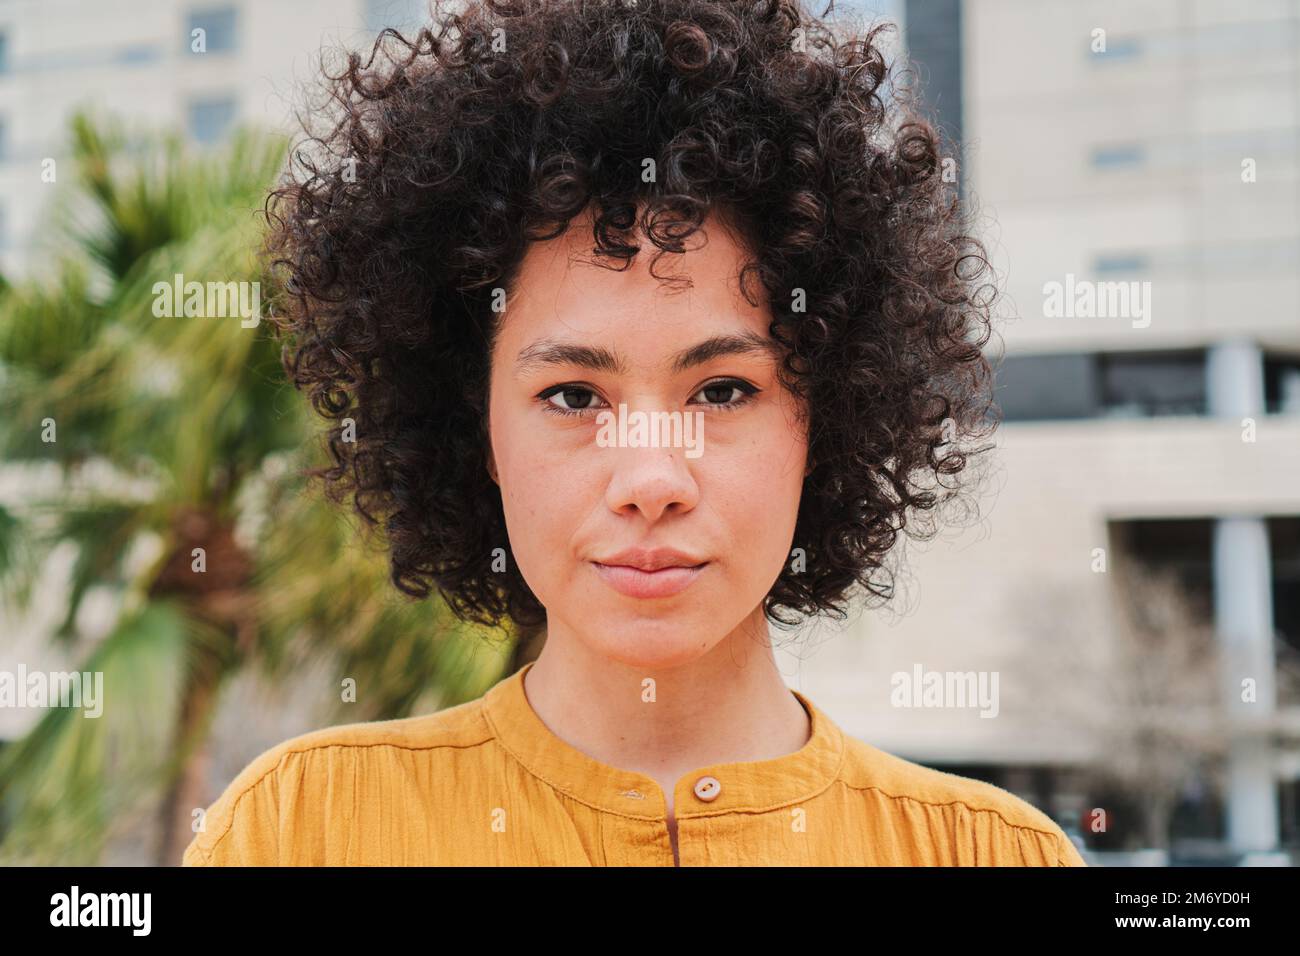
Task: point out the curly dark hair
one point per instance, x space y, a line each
447 153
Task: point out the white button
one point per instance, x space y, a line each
707 788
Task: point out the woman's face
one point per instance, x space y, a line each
578 340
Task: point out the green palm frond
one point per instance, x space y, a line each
64 783
176 431
102 531
18 564
320 591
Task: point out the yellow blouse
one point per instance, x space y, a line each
486 783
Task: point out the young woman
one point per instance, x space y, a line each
533 230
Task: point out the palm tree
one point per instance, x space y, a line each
168 453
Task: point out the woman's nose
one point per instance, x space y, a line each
650 480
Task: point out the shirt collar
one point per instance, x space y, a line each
752 786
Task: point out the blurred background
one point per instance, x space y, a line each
1130 577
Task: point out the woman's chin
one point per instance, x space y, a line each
655 648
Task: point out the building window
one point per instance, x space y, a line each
933 34
1120 263
1284 553
211 118
218 25
1118 156
1106 385
1149 384
1117 49
1282 384
138 55
1046 387
1183 546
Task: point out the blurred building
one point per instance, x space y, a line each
1136 165
197 65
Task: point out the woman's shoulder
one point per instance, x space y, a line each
461 725
1001 827
241 827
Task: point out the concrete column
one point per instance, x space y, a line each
1243 618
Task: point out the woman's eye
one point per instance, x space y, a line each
571 398
719 394
724 394
575 399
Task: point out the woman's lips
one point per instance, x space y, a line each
648 584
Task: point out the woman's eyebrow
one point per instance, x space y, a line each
545 352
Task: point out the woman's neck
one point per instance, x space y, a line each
729 705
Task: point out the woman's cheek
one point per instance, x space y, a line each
555 498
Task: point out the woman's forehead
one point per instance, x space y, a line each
563 289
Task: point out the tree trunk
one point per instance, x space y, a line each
219 598
189 759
